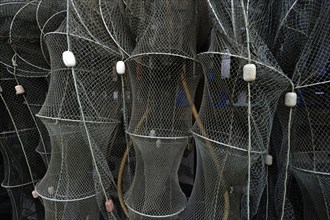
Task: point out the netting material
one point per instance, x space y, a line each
24 60
174 35
223 130
224 114
20 133
161 72
160 39
12 37
80 112
23 167
24 37
85 209
159 126
23 204
158 193
292 28
307 143
214 195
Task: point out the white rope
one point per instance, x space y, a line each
267 193
216 17
124 105
249 152
312 84
245 13
287 163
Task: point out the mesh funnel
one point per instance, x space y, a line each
20 47
162 72
232 144
159 125
80 112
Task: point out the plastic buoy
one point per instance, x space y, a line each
158 143
109 205
269 160
51 190
115 95
152 133
120 67
35 194
19 90
249 72
1 89
290 99
69 59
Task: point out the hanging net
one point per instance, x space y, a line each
92 122
20 133
162 72
29 66
23 167
308 158
231 171
81 111
4 197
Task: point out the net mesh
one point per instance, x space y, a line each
231 174
303 178
25 37
13 15
20 133
4 197
292 27
25 62
159 125
174 35
23 167
162 74
92 122
81 110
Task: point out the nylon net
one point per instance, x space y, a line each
308 156
92 122
23 167
231 173
20 132
162 74
81 110
29 67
